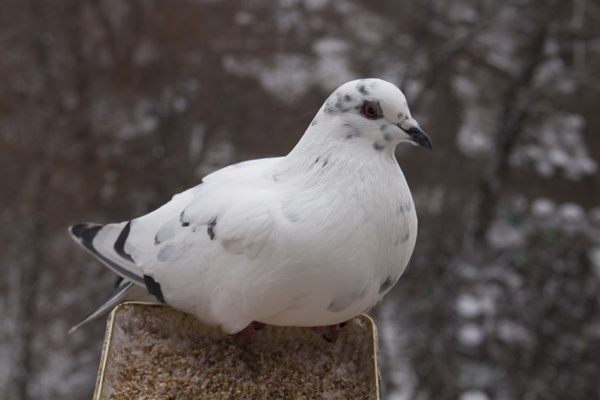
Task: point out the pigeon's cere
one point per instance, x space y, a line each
310 239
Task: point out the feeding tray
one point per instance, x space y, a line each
154 351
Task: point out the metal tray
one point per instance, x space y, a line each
154 351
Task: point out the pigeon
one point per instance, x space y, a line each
314 238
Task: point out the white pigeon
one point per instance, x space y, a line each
310 239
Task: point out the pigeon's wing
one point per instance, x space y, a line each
166 234
200 250
230 211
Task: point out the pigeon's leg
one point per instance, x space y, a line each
258 325
249 331
334 331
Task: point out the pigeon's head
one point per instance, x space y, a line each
374 110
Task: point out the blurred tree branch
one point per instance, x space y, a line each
516 104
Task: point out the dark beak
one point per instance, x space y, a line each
418 136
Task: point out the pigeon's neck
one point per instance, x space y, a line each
344 175
326 153
332 139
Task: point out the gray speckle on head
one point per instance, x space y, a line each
340 103
330 108
387 137
400 116
379 146
335 104
347 299
352 131
362 89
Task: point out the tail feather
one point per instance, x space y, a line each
107 243
125 291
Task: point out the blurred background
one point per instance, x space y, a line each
108 108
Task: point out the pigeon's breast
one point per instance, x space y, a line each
352 240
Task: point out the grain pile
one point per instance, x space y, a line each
156 352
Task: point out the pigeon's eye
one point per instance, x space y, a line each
371 110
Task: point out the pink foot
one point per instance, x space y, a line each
334 331
249 331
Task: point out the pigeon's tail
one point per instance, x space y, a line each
107 243
123 292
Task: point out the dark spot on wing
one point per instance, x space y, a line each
325 160
182 220
154 288
163 234
379 146
211 229
120 242
387 284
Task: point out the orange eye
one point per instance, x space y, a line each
371 110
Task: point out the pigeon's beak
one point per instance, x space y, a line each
416 134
